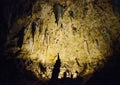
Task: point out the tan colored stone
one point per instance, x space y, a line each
82 42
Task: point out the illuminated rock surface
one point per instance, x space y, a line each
81 32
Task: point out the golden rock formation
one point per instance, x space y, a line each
80 31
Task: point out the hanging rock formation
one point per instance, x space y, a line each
81 31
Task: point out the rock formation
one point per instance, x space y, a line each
82 32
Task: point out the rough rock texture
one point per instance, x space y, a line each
80 32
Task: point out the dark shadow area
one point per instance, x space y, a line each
110 74
13 72
56 69
116 6
10 10
66 81
20 36
10 73
33 30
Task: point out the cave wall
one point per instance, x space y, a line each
85 34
